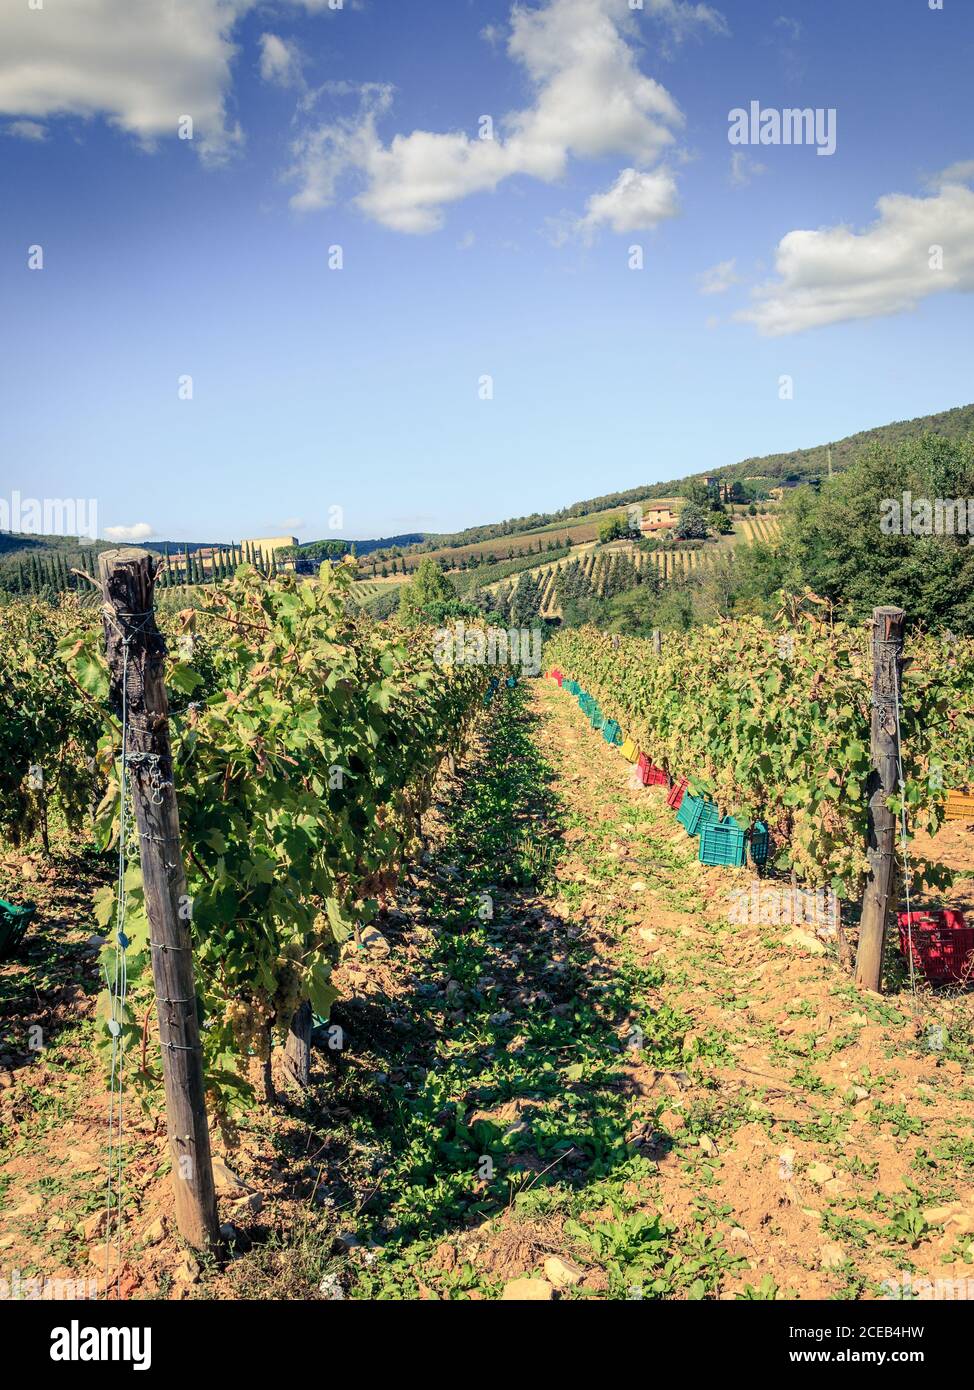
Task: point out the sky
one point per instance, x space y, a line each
326 304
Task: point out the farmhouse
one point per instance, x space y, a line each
657 519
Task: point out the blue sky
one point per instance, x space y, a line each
359 388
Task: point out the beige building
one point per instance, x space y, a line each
268 543
657 519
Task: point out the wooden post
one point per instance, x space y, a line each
297 1053
136 649
883 783
657 641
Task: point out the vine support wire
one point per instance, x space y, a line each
118 991
905 843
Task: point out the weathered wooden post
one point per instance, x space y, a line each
888 624
136 659
657 641
297 1051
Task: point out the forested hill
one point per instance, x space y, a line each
799 463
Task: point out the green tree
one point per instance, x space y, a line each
429 596
692 524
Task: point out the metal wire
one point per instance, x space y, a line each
118 992
904 837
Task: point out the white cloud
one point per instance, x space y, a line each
961 172
635 202
280 61
140 63
590 101
744 169
26 130
719 278
791 26
140 531
685 18
836 274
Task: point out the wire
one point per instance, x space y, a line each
904 837
118 992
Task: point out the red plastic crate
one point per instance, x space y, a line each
943 944
675 798
650 775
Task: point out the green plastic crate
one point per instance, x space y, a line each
611 731
14 922
695 812
723 843
759 843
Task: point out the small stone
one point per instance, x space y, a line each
647 934
92 1226
226 1181
28 1208
859 1094
819 1173
81 1161
708 1146
6 1242
806 941
562 1273
373 940
251 1205
187 1271
154 1232
104 1255
832 1256
6 1080
528 1291
348 1240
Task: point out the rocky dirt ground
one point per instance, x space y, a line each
563 1072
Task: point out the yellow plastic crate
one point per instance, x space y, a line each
630 750
960 806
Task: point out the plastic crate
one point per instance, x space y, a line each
14 922
943 944
611 731
960 806
596 718
630 750
696 812
723 843
650 775
675 798
759 843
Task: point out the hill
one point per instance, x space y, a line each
797 465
